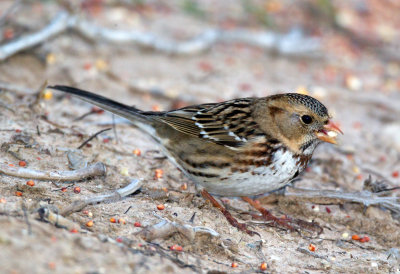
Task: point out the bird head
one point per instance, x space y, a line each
299 121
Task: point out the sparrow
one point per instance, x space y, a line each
241 147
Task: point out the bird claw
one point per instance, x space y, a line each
284 222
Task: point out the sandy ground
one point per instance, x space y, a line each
370 146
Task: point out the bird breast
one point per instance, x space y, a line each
254 179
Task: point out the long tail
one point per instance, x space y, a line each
131 113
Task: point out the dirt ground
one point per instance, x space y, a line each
360 85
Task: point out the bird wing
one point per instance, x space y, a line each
229 123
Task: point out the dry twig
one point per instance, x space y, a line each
331 196
166 228
97 169
114 196
56 219
293 43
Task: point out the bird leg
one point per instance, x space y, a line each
285 222
227 214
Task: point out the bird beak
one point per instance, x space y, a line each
329 133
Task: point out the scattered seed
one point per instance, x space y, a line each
90 223
51 58
165 189
352 82
137 152
47 94
113 220
8 34
345 235
122 221
97 110
328 210
160 207
87 66
263 266
158 173
86 212
234 265
106 140
10 165
355 237
22 163
101 65
77 189
356 169
74 230
395 174
64 189
184 186
124 171
137 224
52 265
156 108
176 248
119 240
30 183
17 130
205 66
311 247
302 90
18 193
3 201
364 239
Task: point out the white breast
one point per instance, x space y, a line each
257 180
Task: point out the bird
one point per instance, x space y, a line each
238 148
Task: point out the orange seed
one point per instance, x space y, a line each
263 266
90 223
160 207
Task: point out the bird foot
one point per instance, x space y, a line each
283 222
232 220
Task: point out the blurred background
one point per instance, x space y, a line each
161 55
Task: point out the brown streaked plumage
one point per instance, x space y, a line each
242 147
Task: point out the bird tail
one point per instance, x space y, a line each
131 113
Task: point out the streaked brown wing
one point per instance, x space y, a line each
228 123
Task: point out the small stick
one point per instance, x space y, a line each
56 219
331 196
292 43
313 254
97 169
166 228
117 195
57 25
93 136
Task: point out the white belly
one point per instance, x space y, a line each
256 180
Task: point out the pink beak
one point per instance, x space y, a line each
329 133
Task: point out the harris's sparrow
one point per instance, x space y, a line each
242 147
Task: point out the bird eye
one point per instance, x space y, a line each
306 119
